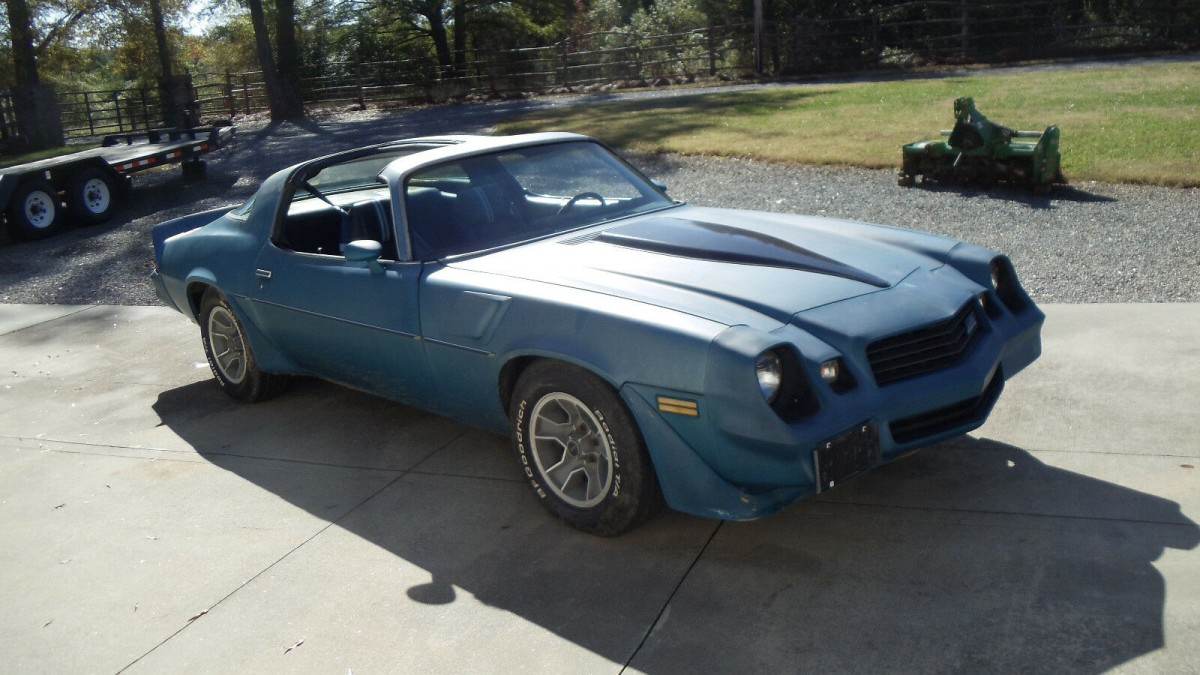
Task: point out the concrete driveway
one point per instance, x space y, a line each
152 525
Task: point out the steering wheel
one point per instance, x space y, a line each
582 195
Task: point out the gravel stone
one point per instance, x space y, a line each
1092 242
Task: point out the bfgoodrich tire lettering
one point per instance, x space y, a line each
580 450
229 355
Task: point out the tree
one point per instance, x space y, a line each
20 25
39 122
283 94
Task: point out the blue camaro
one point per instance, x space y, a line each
635 348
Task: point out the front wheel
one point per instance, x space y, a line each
580 450
229 355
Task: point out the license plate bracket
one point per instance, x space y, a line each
846 455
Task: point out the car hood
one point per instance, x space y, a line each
735 267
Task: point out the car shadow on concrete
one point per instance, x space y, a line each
969 555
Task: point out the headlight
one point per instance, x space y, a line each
769 369
1004 281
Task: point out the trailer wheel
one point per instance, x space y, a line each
34 211
194 170
91 196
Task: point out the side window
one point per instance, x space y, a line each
339 204
431 204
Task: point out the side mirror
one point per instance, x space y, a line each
364 250
662 187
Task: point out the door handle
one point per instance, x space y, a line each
262 274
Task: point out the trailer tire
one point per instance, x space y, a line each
194 170
34 211
91 195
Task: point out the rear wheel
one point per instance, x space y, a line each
34 211
580 450
229 355
91 196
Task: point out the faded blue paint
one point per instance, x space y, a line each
651 320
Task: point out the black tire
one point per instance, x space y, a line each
229 355
92 195
593 472
34 211
194 169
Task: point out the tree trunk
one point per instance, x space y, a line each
437 30
276 99
35 106
288 62
460 38
21 29
160 39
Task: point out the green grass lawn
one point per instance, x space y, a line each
1123 123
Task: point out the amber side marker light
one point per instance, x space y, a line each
678 406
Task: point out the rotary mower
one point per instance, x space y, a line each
983 152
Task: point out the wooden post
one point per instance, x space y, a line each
358 81
712 53
964 20
246 90
758 37
87 110
145 112
117 107
230 101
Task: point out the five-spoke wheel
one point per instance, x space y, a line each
229 355
580 449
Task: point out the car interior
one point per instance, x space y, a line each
466 205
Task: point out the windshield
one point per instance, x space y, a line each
520 194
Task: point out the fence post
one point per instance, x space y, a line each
712 52
117 107
230 101
358 81
562 61
876 46
246 91
87 110
964 21
145 112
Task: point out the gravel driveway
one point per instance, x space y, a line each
1085 243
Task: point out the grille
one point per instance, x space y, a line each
926 350
950 417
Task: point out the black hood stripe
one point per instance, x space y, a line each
724 243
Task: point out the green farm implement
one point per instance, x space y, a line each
983 152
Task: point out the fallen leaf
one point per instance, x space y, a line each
298 643
198 616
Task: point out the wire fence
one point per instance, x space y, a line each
903 35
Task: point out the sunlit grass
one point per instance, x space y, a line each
1137 124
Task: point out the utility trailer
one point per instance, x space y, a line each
90 182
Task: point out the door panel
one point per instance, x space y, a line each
344 321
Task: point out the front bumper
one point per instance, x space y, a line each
738 465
